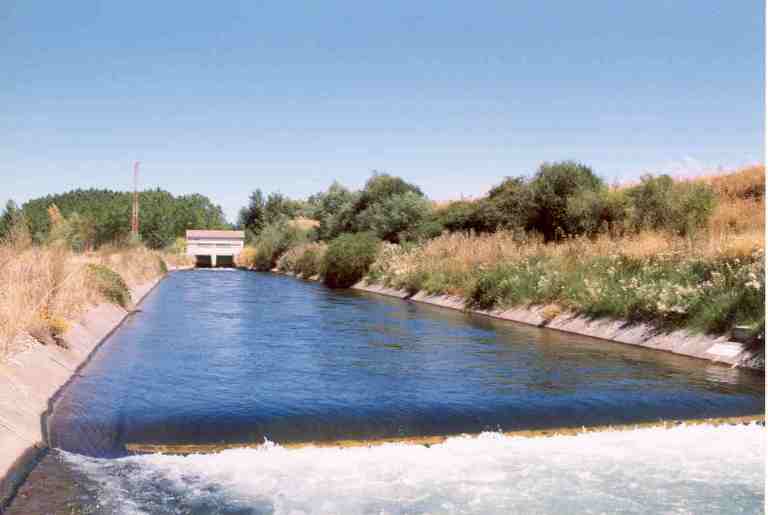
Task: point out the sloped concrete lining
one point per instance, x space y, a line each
715 349
33 376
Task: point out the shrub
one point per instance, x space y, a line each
382 186
304 260
661 203
480 216
589 211
552 187
348 258
514 201
393 215
109 284
273 241
326 207
426 230
310 260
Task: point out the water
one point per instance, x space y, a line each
232 357
698 470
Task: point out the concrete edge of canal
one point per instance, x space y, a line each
710 348
31 380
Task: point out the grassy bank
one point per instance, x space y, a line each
685 254
44 288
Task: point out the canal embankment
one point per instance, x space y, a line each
31 378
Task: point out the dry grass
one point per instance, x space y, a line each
303 223
43 289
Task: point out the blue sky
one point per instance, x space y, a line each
224 97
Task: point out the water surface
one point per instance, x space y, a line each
235 357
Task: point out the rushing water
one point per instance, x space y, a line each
236 357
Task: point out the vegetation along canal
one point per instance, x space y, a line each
234 358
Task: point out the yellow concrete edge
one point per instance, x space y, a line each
184 449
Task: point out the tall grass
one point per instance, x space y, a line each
44 288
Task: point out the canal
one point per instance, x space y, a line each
227 358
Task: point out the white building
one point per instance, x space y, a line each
214 248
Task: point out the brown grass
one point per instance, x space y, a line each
44 289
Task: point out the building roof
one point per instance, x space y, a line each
230 235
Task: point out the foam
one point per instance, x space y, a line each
686 469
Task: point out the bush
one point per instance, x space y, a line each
348 258
393 215
480 216
513 200
552 187
661 203
110 284
304 260
426 230
310 261
588 212
274 240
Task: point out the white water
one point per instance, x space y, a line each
687 469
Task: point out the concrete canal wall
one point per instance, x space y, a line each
32 377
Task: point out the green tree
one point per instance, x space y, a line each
514 204
10 215
252 218
552 187
393 215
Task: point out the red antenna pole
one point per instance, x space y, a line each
135 210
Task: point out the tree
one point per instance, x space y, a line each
514 203
10 214
103 216
552 187
334 209
391 216
252 217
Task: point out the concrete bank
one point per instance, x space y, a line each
715 349
33 376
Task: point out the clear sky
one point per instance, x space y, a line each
224 97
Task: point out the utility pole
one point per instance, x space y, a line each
135 211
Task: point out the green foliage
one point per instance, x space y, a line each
163 217
668 292
75 232
480 216
661 203
333 209
387 206
251 217
552 187
348 259
110 284
310 262
11 215
511 204
392 215
382 186
260 212
273 241
429 228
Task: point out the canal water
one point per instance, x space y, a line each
231 358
